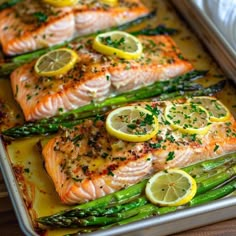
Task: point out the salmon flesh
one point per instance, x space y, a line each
96 77
86 162
31 25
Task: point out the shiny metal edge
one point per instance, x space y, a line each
14 193
209 35
173 222
178 221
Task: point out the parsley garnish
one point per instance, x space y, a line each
110 173
216 147
171 156
148 120
154 110
115 43
40 16
154 145
132 126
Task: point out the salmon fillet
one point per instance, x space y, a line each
31 25
86 163
96 77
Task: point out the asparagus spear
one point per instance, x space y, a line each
29 129
140 201
216 180
104 220
97 216
214 194
198 169
208 91
220 169
70 119
143 214
145 210
69 218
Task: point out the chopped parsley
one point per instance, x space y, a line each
155 145
40 16
115 43
216 147
154 110
171 156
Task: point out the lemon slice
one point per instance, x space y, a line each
188 118
132 123
218 112
109 2
56 62
172 187
118 43
61 3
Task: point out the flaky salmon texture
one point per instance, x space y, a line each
86 163
32 24
96 77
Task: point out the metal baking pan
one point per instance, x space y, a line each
173 222
195 13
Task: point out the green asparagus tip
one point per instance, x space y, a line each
214 194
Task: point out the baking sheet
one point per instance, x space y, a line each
223 15
173 222
219 44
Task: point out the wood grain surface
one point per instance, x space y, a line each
9 225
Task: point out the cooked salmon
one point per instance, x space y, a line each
86 162
95 77
31 25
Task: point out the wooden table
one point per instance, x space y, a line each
9 225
